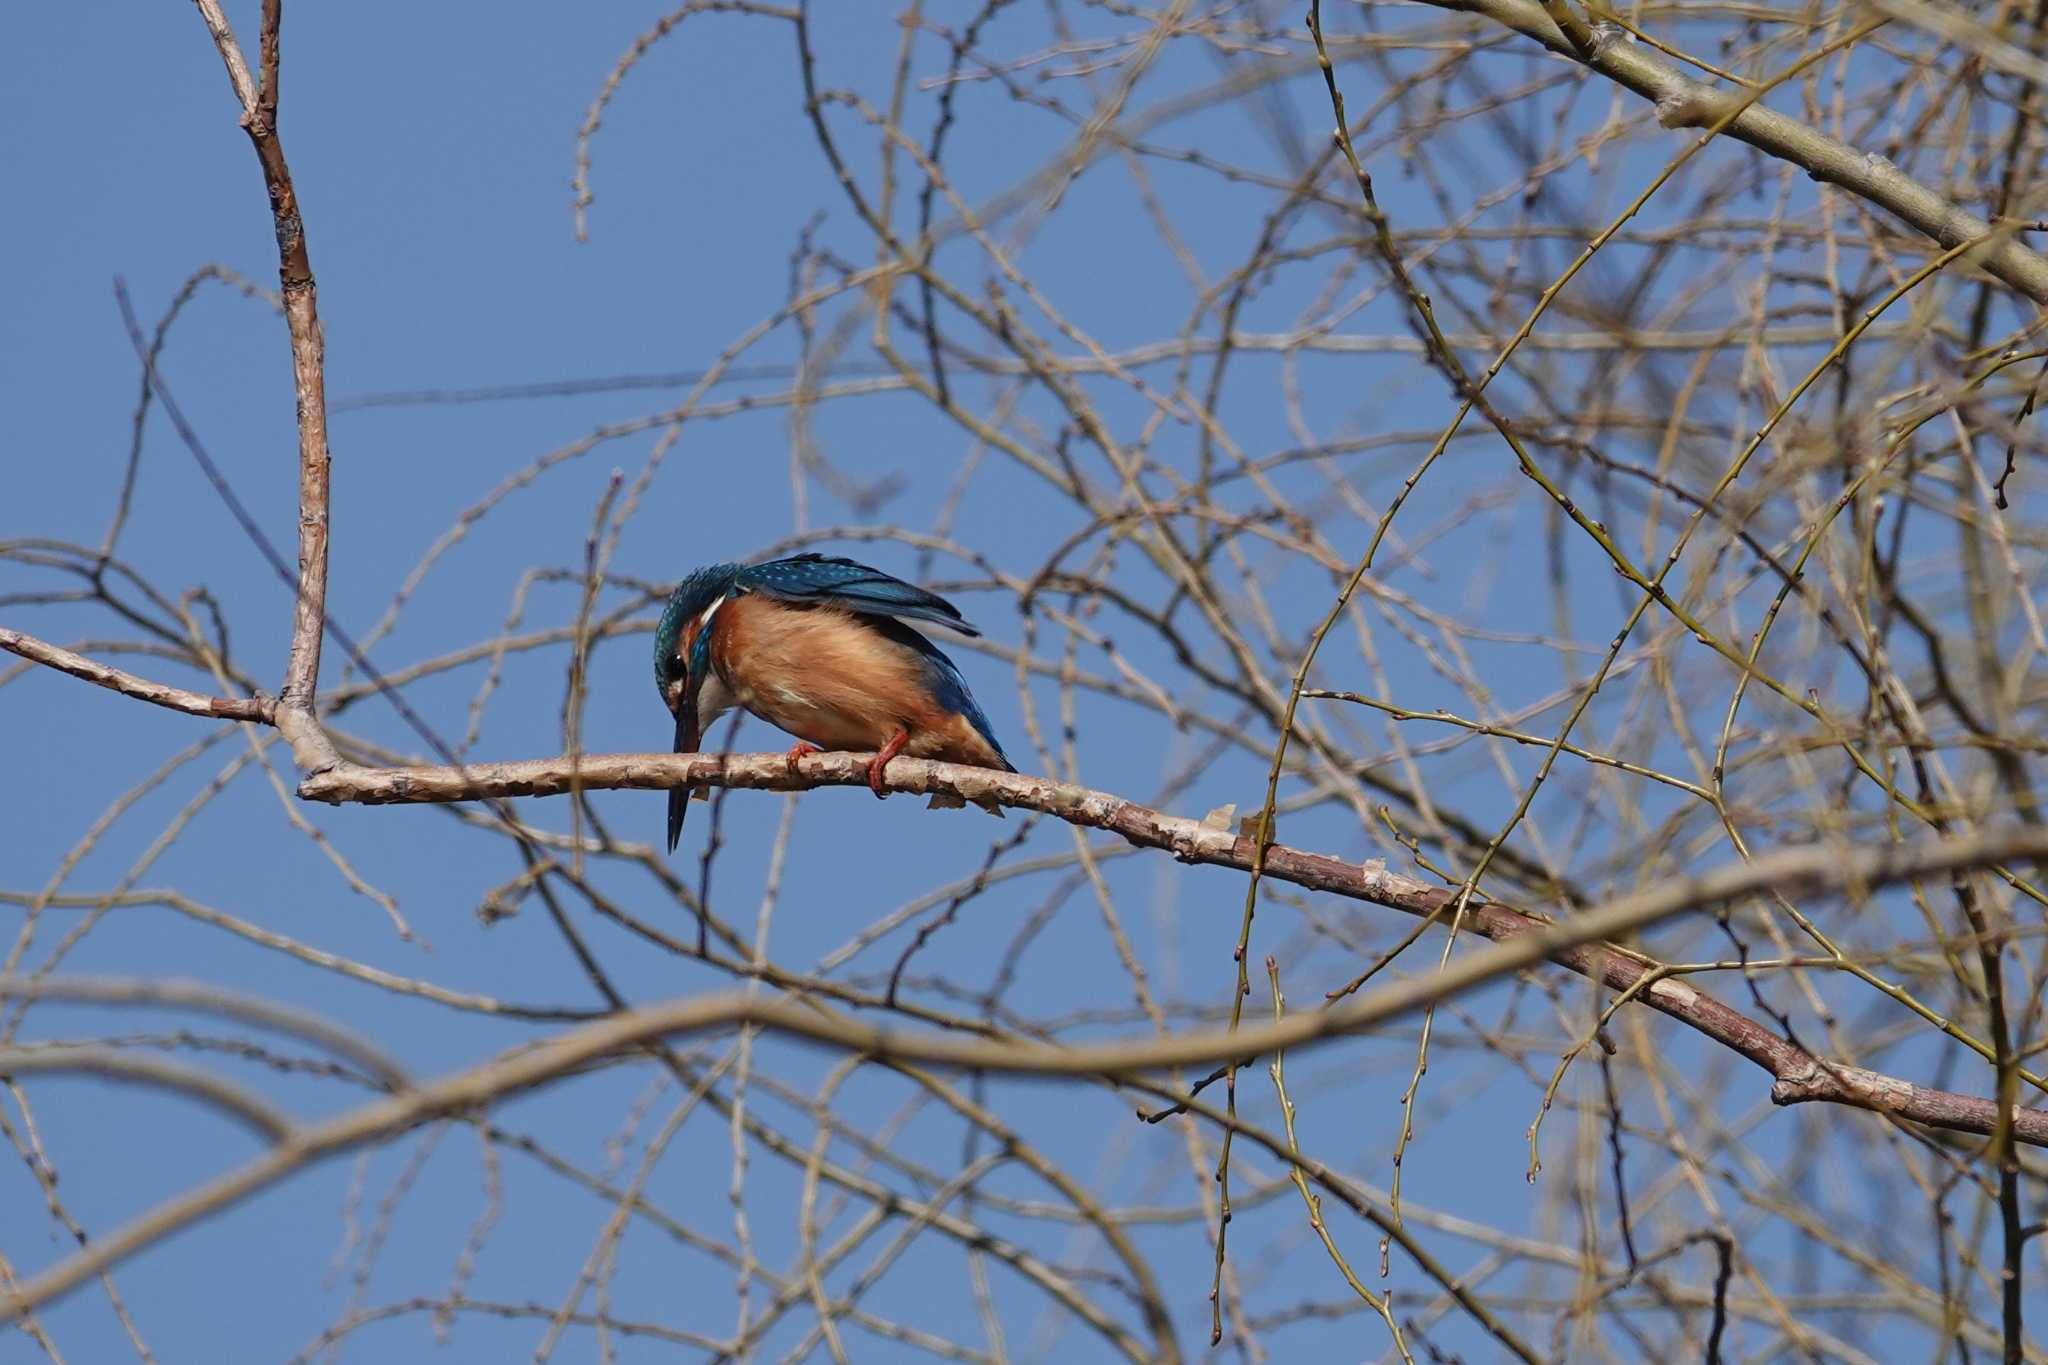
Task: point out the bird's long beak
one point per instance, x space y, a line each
687 738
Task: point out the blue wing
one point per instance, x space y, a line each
946 684
952 691
827 581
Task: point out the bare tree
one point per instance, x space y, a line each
1671 678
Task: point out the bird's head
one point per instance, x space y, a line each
681 640
682 660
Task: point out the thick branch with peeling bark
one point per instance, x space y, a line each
1797 1075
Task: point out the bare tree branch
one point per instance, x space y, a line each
261 709
295 717
115 1065
1685 103
1769 378
1525 940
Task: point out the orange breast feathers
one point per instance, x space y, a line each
823 675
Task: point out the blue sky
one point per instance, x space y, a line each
433 148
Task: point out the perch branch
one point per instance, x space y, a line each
1521 939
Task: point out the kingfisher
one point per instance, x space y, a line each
817 647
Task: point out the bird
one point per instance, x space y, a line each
818 647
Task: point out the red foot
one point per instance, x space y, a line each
797 751
881 761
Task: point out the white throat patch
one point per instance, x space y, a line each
713 698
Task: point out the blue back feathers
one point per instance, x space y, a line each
823 580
